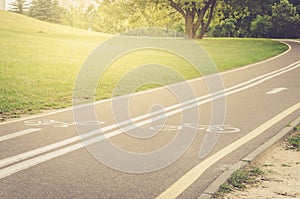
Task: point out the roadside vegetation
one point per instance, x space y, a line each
249 177
39 62
293 142
218 18
239 180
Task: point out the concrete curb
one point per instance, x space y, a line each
250 158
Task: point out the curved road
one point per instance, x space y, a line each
43 156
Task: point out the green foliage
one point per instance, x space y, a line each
224 188
19 6
225 18
270 18
255 171
75 17
243 12
121 16
294 141
228 26
45 10
260 26
285 20
239 179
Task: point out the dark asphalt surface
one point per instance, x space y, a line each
79 175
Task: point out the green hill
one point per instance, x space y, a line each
39 62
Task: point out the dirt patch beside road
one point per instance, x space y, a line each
281 178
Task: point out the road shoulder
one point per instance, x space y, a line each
281 178
254 158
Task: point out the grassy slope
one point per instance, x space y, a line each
226 53
232 53
39 62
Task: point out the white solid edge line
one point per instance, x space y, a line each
290 40
42 158
37 160
190 177
29 154
159 88
19 133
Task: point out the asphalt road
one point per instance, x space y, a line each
44 157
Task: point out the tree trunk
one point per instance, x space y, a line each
189 14
202 32
189 26
205 26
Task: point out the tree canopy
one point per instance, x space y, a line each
19 6
194 18
46 10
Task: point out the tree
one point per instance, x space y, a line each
113 16
244 12
55 12
260 26
228 27
75 17
285 20
119 16
197 15
80 14
19 6
46 10
296 3
122 15
90 14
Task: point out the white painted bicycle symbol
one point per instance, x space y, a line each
208 128
59 124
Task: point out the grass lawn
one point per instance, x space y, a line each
39 62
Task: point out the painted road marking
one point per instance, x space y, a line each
36 160
209 128
276 90
19 133
35 152
190 177
60 124
42 158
